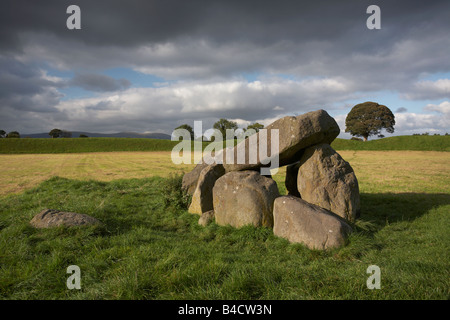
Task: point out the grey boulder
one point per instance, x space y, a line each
301 222
244 198
327 180
202 199
190 179
53 218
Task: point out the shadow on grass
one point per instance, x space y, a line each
384 208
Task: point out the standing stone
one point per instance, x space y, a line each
327 180
244 198
291 179
295 134
202 199
190 179
301 222
48 218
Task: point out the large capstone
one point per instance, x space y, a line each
294 135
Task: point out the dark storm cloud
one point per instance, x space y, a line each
104 23
26 87
98 82
204 39
130 23
17 78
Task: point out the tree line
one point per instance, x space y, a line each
12 134
58 133
54 133
222 125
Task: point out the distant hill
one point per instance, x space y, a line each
76 134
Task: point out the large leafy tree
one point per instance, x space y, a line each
368 119
55 133
223 124
2 133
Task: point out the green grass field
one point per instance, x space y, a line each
417 143
77 145
150 247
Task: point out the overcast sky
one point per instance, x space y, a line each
149 66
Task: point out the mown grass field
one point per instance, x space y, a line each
23 171
150 247
409 169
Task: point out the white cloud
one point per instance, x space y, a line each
340 119
162 107
443 108
439 89
410 123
